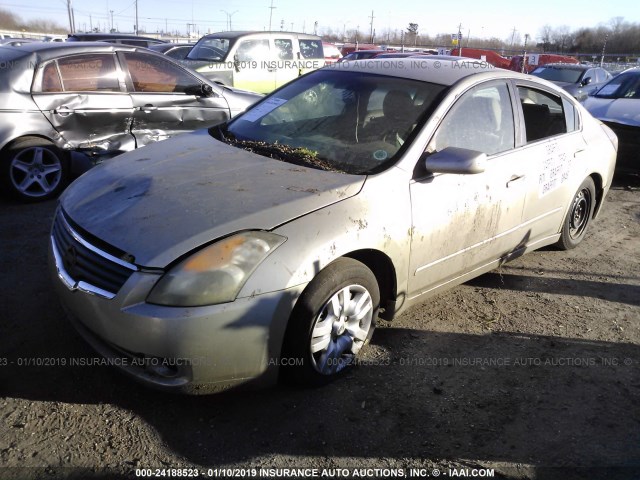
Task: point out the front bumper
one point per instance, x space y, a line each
192 349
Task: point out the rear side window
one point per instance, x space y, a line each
543 112
284 48
311 49
51 79
81 73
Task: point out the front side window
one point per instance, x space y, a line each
543 113
157 75
81 73
253 51
482 120
343 121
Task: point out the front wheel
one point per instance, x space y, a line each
34 169
332 321
580 213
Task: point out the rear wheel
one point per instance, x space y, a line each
331 323
579 215
34 169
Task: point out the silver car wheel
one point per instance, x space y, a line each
341 329
35 171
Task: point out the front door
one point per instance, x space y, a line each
163 108
462 222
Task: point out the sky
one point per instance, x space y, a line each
490 18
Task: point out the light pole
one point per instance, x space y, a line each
229 15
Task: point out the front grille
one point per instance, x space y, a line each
84 266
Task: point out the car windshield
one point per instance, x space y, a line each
625 85
350 122
558 74
210 48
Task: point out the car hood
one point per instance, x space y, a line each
625 111
162 201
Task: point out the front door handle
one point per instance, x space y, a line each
149 108
514 178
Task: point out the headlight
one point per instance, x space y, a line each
215 274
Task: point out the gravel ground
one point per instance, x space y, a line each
531 370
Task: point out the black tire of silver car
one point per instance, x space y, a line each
579 216
34 169
332 321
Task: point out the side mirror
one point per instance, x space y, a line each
200 90
586 81
456 160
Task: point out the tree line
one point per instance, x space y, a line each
616 36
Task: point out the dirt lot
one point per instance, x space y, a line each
525 370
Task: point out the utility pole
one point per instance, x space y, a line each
603 48
271 14
136 29
459 39
111 29
513 35
524 53
90 23
371 30
70 18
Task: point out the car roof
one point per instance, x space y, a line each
443 70
237 34
51 49
111 36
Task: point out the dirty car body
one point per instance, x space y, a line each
269 245
67 106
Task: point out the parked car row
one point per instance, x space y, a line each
66 106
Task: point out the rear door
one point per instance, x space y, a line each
162 106
85 101
551 158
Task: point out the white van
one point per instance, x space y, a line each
255 61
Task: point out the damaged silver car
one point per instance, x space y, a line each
67 106
269 245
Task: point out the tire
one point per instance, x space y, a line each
33 169
321 341
579 216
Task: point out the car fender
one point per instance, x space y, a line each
317 239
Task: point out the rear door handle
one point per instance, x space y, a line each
148 108
514 178
63 111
